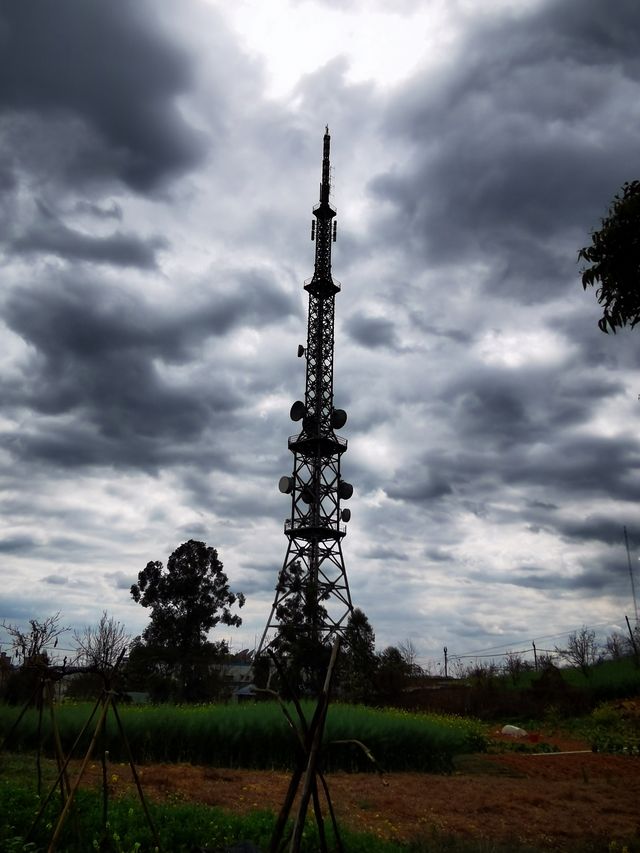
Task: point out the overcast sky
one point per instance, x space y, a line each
158 167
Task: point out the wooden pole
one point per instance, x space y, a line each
83 767
312 763
44 802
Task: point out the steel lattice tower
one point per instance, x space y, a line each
315 528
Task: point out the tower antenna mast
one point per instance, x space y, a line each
633 586
314 565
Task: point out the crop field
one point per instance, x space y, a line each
224 736
258 736
550 793
181 826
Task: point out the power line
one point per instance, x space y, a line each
480 652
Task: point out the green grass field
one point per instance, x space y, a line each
609 679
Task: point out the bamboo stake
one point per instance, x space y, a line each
83 767
45 802
136 778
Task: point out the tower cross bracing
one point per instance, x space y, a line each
317 523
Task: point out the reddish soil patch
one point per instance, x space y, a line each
552 800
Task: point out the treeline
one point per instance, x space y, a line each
173 660
582 651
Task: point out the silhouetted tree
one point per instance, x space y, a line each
300 643
34 645
187 600
32 650
482 674
358 663
515 665
581 650
410 655
617 646
392 674
614 258
100 646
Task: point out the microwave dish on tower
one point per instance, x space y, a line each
317 521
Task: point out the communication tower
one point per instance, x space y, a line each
316 525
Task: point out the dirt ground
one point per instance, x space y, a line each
553 800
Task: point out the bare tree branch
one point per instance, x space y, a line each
33 646
100 646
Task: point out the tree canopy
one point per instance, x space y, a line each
187 600
614 261
300 643
358 664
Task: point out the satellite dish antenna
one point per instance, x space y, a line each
345 490
338 418
300 350
285 484
345 515
298 411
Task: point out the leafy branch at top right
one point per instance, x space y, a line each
614 261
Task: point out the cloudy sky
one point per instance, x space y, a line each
158 166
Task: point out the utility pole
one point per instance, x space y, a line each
316 525
446 673
535 655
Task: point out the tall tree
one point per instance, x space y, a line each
392 674
187 600
358 663
614 258
299 643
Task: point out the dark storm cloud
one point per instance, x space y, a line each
570 468
120 580
95 356
49 235
599 528
431 485
108 65
17 544
371 332
511 407
513 151
382 552
438 555
602 577
8 180
581 465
